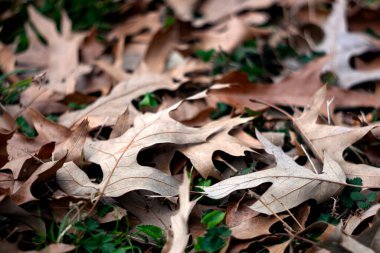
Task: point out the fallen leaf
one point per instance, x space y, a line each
292 184
289 91
319 138
178 241
339 242
107 109
215 10
254 227
61 54
228 35
354 221
183 9
118 158
7 62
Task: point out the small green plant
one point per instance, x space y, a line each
221 110
153 232
169 21
75 106
205 55
25 128
327 217
215 236
149 100
214 239
201 182
11 94
363 201
352 197
212 218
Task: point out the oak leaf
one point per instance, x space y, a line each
333 140
292 184
118 157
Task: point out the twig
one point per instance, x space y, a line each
309 158
290 213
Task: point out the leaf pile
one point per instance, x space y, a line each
189 126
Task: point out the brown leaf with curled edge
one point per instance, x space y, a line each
254 227
60 56
201 155
292 184
22 191
7 128
9 209
7 61
106 110
340 242
293 90
214 10
320 138
118 157
354 221
66 140
342 45
178 241
228 35
148 210
183 9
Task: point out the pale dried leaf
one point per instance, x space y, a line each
107 109
118 157
292 184
180 219
319 137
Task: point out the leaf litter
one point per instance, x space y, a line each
188 126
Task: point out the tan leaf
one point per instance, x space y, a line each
254 227
338 241
65 140
107 109
183 9
228 35
354 221
61 54
148 210
22 190
201 155
289 91
214 10
7 61
178 242
118 158
292 184
320 137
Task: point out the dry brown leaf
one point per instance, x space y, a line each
353 222
67 141
339 242
343 45
106 110
319 138
60 56
148 210
9 209
214 10
118 157
178 242
183 9
7 62
22 192
228 35
254 227
293 90
201 156
292 184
